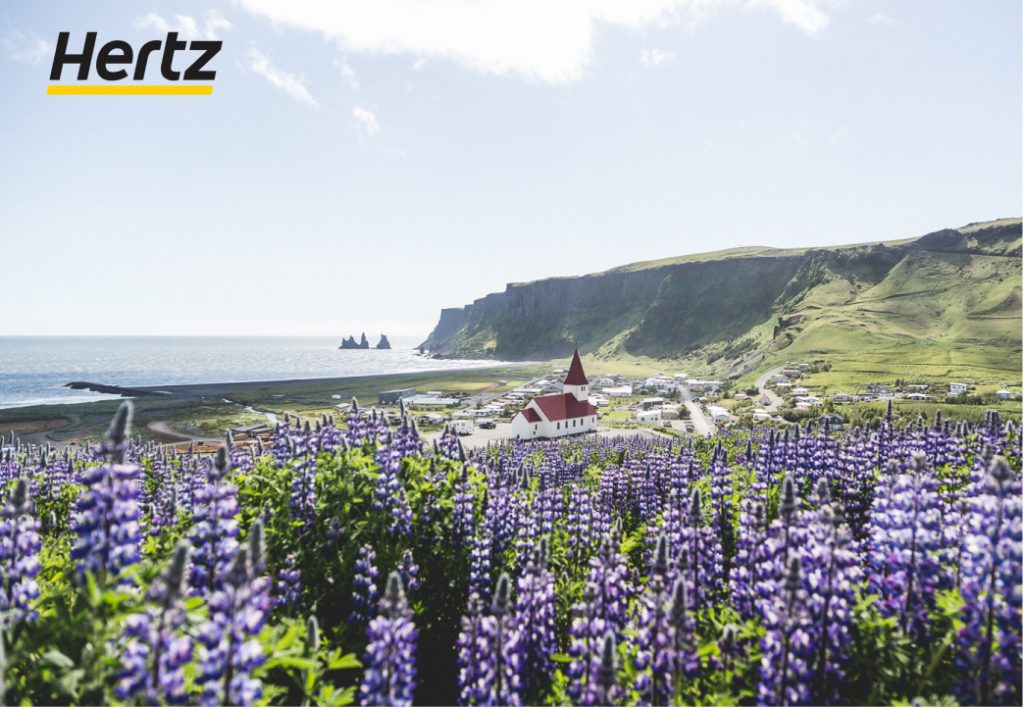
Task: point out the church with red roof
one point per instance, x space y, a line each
559 414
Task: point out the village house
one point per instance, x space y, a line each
649 416
559 414
842 398
955 388
1004 395
719 414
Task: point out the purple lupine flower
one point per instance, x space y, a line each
230 649
704 553
786 646
832 575
481 549
906 544
214 533
465 512
302 501
390 675
750 542
152 665
409 571
654 635
106 513
288 588
602 612
535 614
19 561
364 586
989 656
490 652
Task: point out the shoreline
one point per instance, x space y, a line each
212 388
199 409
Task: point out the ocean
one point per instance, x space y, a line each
33 370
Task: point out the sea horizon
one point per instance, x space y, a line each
34 369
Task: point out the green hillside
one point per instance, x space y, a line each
945 304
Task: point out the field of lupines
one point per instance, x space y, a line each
355 564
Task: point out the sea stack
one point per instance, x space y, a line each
364 343
383 343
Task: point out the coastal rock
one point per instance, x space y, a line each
383 343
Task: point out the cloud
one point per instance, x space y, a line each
185 25
537 39
348 74
25 48
655 57
289 83
802 14
367 120
880 18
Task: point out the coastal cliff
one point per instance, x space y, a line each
952 283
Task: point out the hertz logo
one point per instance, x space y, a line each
115 58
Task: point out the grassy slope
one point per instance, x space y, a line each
934 316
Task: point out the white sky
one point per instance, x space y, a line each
361 165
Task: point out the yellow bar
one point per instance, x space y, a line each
128 90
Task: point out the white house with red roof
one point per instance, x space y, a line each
558 414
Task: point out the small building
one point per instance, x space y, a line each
649 416
800 391
1004 395
704 386
719 414
651 403
429 400
559 414
956 388
761 415
842 398
392 397
791 373
624 391
778 379
918 396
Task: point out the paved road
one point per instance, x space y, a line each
776 401
702 425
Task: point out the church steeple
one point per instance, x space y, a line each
576 382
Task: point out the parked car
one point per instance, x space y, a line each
487 424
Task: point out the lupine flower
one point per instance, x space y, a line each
19 549
603 611
288 588
215 529
989 657
390 675
906 546
230 649
535 614
152 665
364 587
106 513
786 646
490 652
409 571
